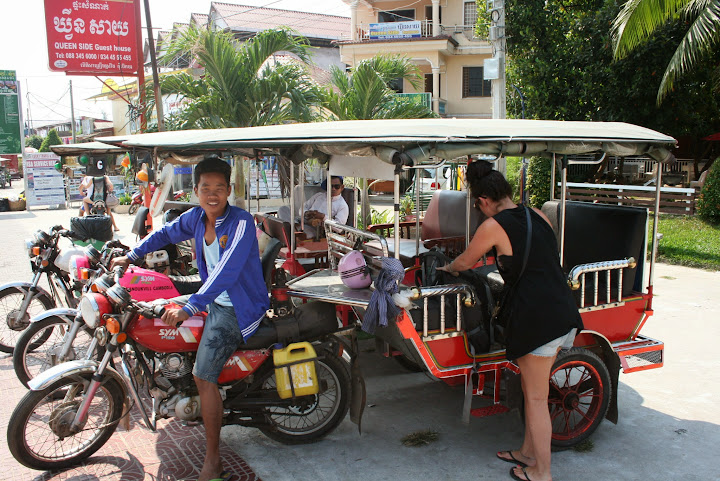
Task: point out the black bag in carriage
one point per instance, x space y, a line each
98 227
475 319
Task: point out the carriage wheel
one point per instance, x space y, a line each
580 391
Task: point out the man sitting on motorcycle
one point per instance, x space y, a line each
233 288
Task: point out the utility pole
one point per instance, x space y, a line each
156 77
27 97
496 8
72 115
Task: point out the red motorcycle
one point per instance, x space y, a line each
137 199
294 395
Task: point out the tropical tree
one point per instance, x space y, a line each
640 19
34 141
560 56
364 92
242 86
52 139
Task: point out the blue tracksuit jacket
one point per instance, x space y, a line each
238 272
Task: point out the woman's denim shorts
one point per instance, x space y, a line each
221 337
551 348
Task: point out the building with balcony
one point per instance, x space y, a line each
438 36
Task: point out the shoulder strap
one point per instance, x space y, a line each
528 242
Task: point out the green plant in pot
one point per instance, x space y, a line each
407 208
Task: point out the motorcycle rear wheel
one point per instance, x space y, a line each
42 340
314 416
11 300
37 432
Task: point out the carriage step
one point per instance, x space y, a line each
489 411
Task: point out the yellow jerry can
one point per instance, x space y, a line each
295 370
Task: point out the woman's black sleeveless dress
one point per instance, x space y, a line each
541 307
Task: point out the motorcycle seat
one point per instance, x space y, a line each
186 284
307 322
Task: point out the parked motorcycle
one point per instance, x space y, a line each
60 335
137 199
74 408
19 301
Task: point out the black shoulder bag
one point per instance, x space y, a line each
500 319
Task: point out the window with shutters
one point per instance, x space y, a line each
474 84
470 14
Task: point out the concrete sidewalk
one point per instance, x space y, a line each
668 426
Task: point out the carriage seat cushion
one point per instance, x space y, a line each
445 215
602 232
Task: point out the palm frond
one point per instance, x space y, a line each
639 19
700 39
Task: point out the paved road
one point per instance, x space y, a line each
668 426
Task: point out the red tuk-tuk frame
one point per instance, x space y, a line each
584 379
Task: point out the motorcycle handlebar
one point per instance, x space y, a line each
149 310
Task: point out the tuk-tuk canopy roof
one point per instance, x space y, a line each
91 148
445 138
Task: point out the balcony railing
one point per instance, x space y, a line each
419 98
426 31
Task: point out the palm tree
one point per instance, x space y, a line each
365 93
242 86
639 19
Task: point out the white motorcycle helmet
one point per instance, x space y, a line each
354 271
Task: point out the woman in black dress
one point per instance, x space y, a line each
543 316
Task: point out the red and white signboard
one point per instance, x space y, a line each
96 37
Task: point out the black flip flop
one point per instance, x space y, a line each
515 476
512 459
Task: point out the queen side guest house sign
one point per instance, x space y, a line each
98 37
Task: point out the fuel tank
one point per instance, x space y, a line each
159 337
147 285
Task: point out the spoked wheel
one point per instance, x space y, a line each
580 391
313 416
12 320
39 347
40 435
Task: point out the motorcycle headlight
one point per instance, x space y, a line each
93 307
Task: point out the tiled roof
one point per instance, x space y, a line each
254 19
199 18
319 75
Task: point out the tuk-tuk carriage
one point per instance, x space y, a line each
605 250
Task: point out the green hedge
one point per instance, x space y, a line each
708 202
538 183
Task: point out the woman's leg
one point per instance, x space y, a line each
112 218
535 372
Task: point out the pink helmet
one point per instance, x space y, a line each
354 271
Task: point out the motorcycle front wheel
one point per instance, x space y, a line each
12 321
133 208
39 434
38 347
313 416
